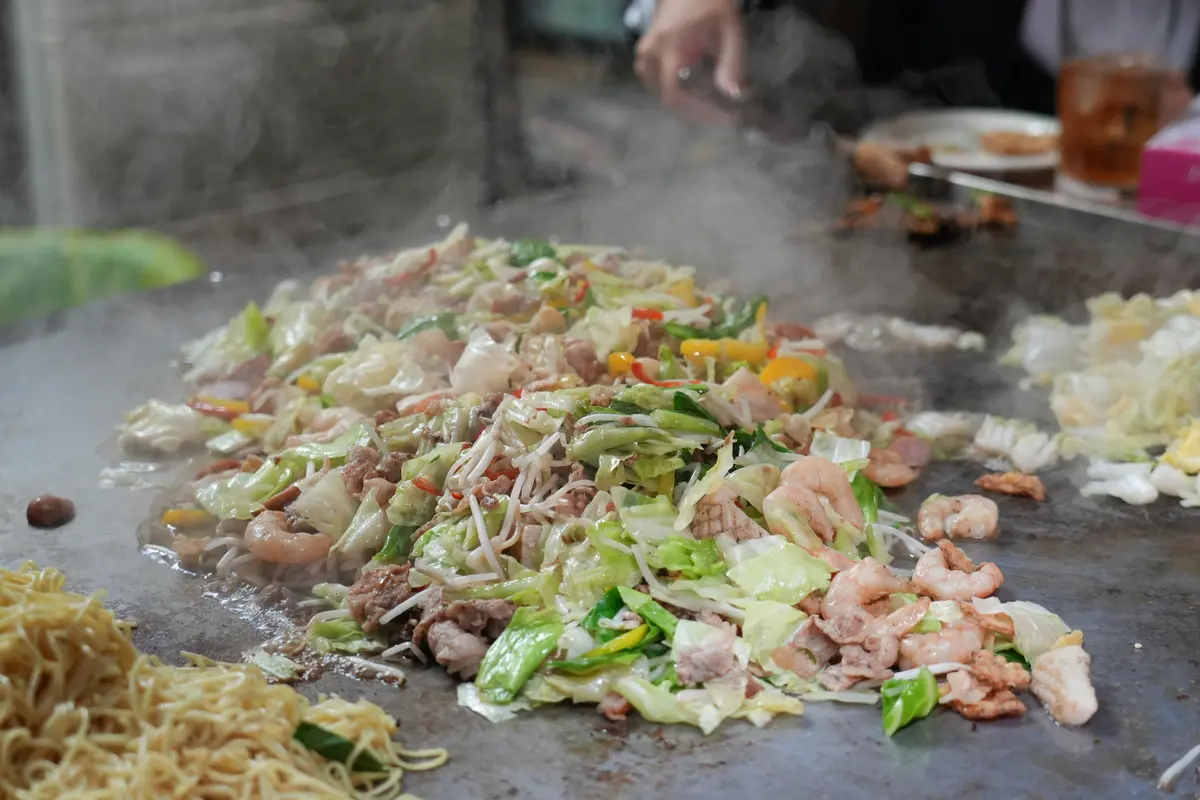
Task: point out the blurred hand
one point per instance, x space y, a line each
684 35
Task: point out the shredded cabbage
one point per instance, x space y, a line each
159 427
1036 628
712 480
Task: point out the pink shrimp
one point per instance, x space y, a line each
795 509
947 574
268 539
887 469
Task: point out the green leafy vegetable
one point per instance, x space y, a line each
729 330
443 320
332 747
646 608
786 574
668 364
684 403
397 544
685 423
341 636
905 701
529 638
586 664
609 606
868 495
692 558
524 252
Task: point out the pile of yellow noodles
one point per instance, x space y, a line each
83 713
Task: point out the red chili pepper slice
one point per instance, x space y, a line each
426 485
639 372
518 392
582 293
227 414
457 495
399 280
511 473
647 313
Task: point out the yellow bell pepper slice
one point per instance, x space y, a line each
623 642
185 517
787 367
697 350
309 384
252 424
620 364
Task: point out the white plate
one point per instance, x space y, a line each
952 134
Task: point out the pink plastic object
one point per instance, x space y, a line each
1170 182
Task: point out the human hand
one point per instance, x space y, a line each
685 34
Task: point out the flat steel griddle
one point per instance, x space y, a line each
1129 577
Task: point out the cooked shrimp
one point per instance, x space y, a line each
967 516
957 641
935 577
762 401
795 506
267 538
835 559
866 581
887 469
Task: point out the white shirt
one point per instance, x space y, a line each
1167 28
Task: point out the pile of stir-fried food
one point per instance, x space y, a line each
566 473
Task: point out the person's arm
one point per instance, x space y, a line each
683 35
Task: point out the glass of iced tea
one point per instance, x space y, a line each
1109 107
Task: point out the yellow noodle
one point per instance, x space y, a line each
84 714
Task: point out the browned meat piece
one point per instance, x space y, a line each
835 679
484 617
377 592
333 340
994 671
384 490
224 465
847 624
811 604
1000 624
956 558
1000 703
1017 484
581 358
650 336
719 513
614 707
996 212
359 461
711 659
262 398
433 611
601 396
529 545
189 549
282 500
753 687
391 467
810 638
858 662
49 511
385 416
456 650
